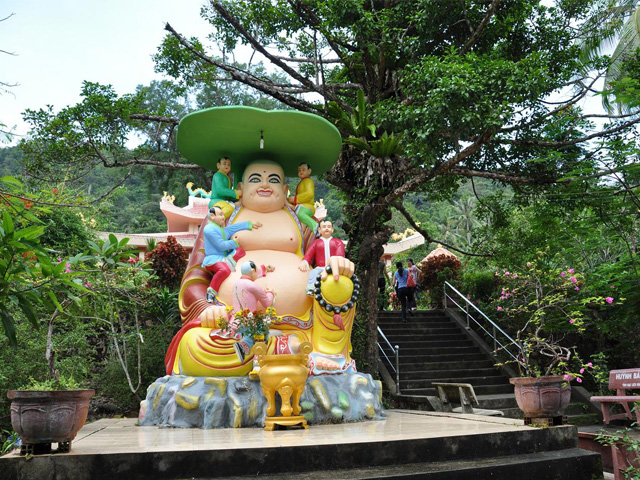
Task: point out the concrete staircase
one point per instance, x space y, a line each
435 348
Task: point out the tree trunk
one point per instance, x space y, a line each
367 236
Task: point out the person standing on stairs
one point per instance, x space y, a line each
401 276
383 278
412 283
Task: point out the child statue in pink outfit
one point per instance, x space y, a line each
249 295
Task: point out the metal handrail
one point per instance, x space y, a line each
396 349
497 343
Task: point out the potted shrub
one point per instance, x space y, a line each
48 412
545 306
34 284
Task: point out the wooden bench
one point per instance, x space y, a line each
463 394
620 381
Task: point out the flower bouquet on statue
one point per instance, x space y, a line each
252 326
321 210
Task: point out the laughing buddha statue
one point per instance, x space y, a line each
264 146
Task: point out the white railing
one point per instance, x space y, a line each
395 349
502 342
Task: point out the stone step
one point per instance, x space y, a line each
416 313
438 351
441 335
453 338
403 331
573 464
422 345
390 314
413 319
513 412
480 390
576 408
583 419
427 380
413 325
450 365
451 372
498 402
505 402
412 361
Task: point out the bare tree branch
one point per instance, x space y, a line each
306 13
564 105
39 202
260 48
246 77
155 118
465 172
398 206
573 141
485 21
110 191
440 169
307 60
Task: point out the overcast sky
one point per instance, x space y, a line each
58 44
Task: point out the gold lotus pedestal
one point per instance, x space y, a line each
287 375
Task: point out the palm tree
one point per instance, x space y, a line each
616 26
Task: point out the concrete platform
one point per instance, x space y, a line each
408 444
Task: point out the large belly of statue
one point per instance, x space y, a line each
287 282
279 232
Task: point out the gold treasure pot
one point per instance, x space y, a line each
287 375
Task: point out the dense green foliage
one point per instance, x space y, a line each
93 317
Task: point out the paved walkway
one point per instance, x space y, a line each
113 437
108 436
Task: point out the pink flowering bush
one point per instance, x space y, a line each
543 306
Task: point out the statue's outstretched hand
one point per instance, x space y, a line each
256 224
339 266
304 266
210 317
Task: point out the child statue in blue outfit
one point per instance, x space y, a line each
221 254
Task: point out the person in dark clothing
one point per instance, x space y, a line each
383 276
401 276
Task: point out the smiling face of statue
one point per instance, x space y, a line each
224 165
216 215
304 171
263 187
326 229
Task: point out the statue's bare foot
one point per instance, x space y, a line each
323 363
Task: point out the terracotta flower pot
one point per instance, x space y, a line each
542 396
45 417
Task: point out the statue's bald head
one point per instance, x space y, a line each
263 187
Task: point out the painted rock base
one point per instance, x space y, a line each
225 402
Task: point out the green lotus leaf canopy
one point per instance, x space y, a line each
288 137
